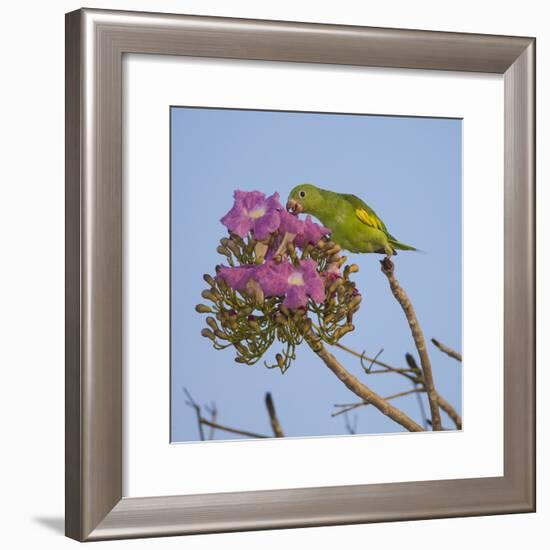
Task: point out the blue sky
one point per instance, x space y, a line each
407 169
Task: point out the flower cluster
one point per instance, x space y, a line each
282 273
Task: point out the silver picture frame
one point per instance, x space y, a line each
96 41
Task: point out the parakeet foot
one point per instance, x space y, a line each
387 265
389 250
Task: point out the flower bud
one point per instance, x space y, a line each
240 348
234 247
333 250
341 261
340 313
280 361
335 285
353 268
254 291
412 363
343 331
280 319
222 284
210 295
201 308
253 323
209 279
260 250
355 301
211 322
306 251
238 240
207 333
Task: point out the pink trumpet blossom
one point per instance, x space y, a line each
252 211
296 282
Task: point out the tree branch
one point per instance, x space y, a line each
374 360
445 405
201 421
213 411
418 337
275 424
191 403
453 415
357 387
232 430
350 406
388 368
350 428
446 349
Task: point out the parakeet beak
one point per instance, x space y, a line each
294 206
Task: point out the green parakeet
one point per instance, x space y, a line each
354 225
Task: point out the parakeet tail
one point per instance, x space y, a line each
402 246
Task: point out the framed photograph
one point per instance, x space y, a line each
300 265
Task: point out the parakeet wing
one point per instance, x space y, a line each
365 213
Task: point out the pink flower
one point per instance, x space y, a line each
290 223
297 282
237 277
252 211
305 231
311 233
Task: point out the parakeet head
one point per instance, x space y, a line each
305 198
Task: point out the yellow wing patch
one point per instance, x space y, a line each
369 219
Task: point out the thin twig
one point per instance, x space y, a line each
443 427
352 406
369 368
385 371
213 411
191 402
201 421
351 428
375 361
419 383
453 415
275 424
421 407
418 337
232 430
359 389
443 404
446 349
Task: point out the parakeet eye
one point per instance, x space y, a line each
302 194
